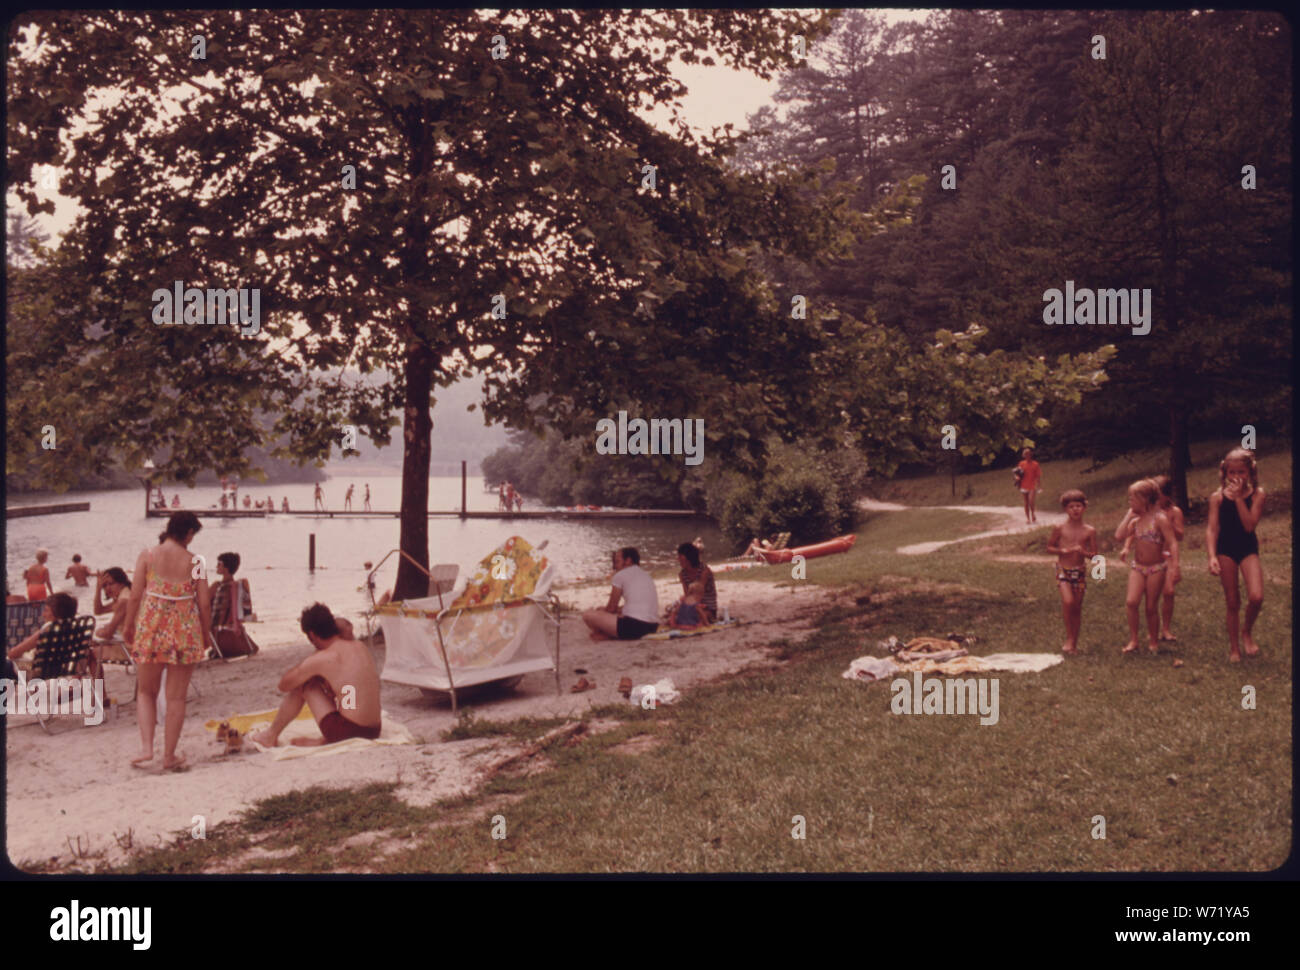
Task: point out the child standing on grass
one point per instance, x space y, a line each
1155 542
1231 543
1029 476
1174 575
1073 543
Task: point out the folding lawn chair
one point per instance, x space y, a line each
21 621
60 652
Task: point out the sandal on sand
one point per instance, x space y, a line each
141 763
1132 649
178 765
583 684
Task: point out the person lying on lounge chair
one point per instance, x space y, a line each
338 682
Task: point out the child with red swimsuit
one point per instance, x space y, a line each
1030 475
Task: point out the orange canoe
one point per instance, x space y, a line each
827 548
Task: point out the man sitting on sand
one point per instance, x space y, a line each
640 612
338 682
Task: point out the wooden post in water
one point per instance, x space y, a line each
311 552
462 489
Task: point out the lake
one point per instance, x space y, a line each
273 551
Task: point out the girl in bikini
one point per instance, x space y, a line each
1155 542
1230 541
1174 574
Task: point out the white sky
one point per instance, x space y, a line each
717 96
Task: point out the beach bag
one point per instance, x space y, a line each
234 643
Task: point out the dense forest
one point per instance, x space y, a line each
1114 149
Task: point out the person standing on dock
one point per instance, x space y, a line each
320 498
519 502
366 506
501 497
284 504
176 500
347 499
223 501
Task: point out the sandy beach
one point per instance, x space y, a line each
78 783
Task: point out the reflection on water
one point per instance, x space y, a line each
273 551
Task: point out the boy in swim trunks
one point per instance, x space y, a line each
1074 544
339 683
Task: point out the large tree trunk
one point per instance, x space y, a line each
417 425
417 421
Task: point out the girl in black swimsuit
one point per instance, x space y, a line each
1230 540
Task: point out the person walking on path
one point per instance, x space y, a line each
366 505
167 621
320 498
1029 476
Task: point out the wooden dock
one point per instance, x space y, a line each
450 514
23 511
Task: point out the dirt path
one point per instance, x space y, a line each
1013 522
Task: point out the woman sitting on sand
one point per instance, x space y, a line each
690 613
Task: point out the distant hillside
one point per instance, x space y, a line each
458 433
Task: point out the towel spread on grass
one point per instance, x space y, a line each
878 668
697 632
304 726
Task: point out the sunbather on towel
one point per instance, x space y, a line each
338 682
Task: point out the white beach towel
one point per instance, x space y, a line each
871 668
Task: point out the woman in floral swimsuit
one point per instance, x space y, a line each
167 632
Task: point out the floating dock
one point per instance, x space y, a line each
452 514
23 511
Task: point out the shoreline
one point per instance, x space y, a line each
77 783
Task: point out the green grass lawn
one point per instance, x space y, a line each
1183 776
1105 486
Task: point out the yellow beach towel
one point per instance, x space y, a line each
304 726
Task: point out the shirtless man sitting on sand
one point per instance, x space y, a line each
340 668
